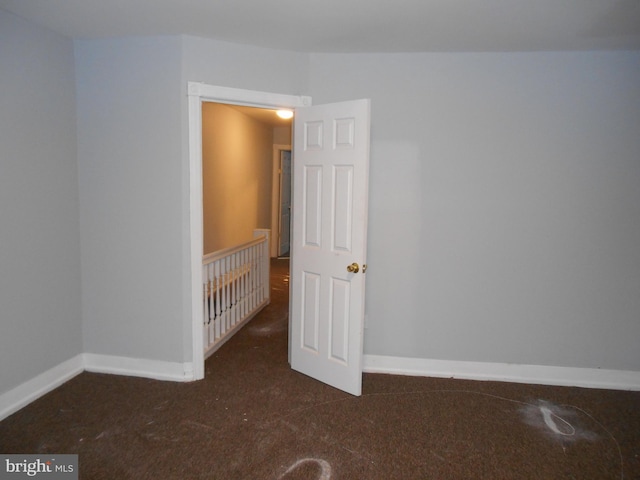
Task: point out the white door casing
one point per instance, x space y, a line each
285 203
197 93
330 199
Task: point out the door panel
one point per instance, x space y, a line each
342 208
312 198
330 188
339 322
311 314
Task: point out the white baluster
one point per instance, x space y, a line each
253 277
211 306
267 270
205 308
243 284
223 303
227 296
216 289
247 284
234 281
259 273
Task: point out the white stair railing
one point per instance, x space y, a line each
235 283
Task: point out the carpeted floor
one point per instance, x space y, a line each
254 418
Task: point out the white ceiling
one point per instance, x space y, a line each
354 25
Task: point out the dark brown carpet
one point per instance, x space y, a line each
255 418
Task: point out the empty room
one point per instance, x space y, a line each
476 163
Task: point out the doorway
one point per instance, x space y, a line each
197 94
282 235
244 178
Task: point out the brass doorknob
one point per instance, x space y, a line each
353 268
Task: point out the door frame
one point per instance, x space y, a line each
276 192
198 93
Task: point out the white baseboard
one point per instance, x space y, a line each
19 397
135 367
24 394
504 372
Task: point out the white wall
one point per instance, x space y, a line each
134 180
503 215
241 66
504 204
130 167
40 318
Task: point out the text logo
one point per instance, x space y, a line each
49 467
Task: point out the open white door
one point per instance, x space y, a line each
330 198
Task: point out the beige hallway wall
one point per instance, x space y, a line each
236 167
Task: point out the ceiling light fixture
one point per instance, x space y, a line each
286 114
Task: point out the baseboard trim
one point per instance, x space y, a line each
19 397
24 394
504 372
135 367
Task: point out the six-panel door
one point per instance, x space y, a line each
330 188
